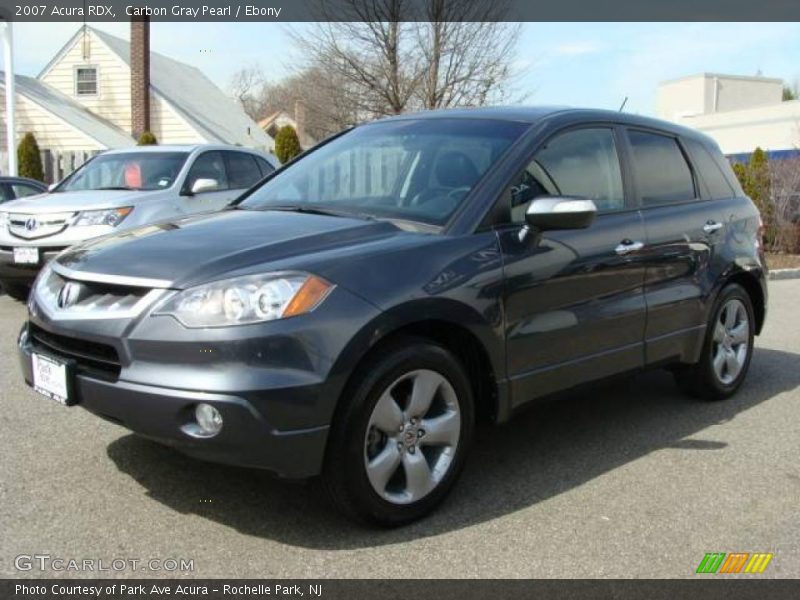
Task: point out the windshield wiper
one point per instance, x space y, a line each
314 210
119 187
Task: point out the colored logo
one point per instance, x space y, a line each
734 562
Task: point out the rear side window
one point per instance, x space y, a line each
265 167
243 170
710 172
662 173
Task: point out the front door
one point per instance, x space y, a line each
574 300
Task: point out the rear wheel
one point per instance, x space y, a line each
400 437
727 350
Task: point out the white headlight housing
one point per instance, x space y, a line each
245 300
109 216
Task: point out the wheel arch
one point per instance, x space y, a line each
457 327
751 283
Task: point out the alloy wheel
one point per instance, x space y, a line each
731 341
412 436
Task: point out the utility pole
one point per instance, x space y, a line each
11 98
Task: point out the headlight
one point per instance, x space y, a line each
249 299
109 216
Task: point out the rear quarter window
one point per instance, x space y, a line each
710 172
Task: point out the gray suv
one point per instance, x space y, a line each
119 190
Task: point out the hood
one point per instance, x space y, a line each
206 247
75 201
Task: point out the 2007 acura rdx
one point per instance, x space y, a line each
356 312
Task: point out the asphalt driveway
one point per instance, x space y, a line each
627 479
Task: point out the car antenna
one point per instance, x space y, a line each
624 102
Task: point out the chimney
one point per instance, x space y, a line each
140 75
300 119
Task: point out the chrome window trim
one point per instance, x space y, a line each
111 279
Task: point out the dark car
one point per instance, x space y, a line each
12 188
355 313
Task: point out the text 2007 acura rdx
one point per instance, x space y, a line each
356 313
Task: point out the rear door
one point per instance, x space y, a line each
574 300
684 228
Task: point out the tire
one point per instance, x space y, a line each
17 291
374 472
727 349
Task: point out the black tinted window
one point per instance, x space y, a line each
243 170
661 170
208 166
580 163
709 171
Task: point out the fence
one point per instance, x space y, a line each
57 164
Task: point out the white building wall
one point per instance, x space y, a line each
775 127
113 99
51 132
739 113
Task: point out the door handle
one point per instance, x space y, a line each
628 246
712 226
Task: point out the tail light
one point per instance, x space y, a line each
760 234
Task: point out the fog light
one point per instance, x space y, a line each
208 419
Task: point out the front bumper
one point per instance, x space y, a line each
24 273
247 437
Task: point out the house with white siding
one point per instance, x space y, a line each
100 92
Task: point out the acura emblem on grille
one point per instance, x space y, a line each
69 294
31 224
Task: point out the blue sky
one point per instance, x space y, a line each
578 64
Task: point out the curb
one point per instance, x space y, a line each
784 274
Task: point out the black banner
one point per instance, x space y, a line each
407 10
713 588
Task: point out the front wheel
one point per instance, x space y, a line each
727 350
17 291
400 437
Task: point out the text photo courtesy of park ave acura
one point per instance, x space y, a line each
438 298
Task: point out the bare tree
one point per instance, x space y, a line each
387 57
466 51
246 86
785 197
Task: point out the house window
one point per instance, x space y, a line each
86 81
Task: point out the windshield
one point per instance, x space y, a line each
415 170
127 171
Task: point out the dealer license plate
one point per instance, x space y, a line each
51 378
26 256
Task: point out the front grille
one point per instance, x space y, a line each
30 226
91 358
92 299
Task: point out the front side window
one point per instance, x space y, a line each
662 174
144 171
86 81
582 163
209 165
416 169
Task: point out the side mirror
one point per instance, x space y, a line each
204 185
559 212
